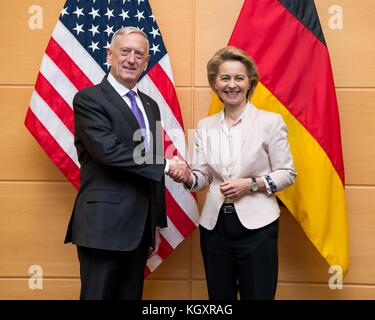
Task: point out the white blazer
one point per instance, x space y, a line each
261 148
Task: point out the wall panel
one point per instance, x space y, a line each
357 113
176 24
53 289
307 291
23 158
33 221
167 290
24 47
352 47
303 291
213 27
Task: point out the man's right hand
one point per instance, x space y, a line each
179 170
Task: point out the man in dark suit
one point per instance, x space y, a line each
121 202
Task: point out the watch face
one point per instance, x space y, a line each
254 187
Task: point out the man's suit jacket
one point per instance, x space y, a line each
260 148
116 194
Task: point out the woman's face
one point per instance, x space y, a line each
232 83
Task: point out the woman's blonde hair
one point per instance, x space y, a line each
232 54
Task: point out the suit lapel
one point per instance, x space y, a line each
118 102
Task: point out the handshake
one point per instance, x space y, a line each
180 171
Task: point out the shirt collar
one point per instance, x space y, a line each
119 87
222 117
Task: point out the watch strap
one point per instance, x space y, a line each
271 183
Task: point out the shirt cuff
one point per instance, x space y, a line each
268 188
194 184
166 169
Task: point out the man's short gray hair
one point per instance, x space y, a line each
129 30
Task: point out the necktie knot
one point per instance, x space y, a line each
131 95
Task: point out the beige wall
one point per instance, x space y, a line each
35 199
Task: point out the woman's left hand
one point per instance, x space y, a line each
235 188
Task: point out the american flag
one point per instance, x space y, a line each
75 58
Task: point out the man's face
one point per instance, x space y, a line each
128 58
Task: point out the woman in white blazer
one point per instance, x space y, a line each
243 155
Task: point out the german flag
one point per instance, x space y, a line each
286 40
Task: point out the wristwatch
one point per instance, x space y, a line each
254 185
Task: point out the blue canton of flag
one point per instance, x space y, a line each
93 23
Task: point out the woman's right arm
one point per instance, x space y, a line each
200 176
